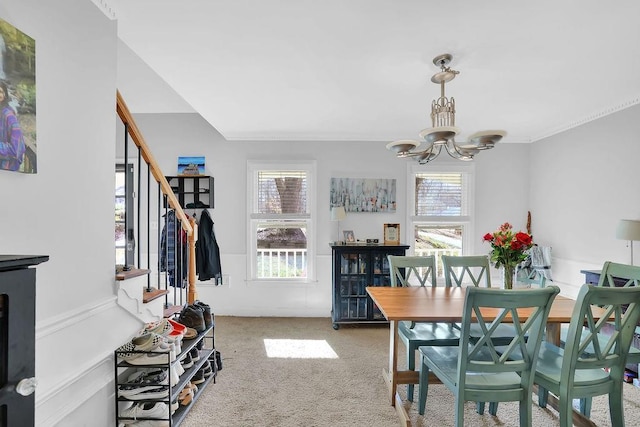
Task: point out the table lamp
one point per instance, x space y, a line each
628 229
338 214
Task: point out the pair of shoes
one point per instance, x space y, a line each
145 384
174 374
207 370
198 378
146 349
145 410
186 361
206 311
195 354
192 317
187 394
162 327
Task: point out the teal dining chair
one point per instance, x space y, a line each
473 270
420 271
610 273
589 366
476 370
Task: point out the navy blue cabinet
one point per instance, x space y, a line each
354 268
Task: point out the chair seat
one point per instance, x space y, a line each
549 368
428 333
444 362
503 334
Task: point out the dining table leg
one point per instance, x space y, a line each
393 359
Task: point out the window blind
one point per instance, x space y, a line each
439 194
282 192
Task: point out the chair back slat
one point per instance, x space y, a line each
404 268
586 347
612 271
463 269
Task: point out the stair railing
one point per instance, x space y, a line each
187 224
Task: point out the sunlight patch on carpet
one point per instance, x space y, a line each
299 349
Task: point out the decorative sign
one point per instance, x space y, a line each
391 234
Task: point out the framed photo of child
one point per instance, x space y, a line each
349 237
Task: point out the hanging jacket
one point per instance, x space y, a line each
207 251
169 247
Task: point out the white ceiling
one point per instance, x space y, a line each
361 69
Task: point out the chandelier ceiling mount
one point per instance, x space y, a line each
444 130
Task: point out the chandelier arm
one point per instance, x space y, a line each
429 154
454 151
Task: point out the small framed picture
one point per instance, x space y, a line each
349 237
391 234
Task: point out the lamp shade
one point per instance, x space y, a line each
338 213
628 229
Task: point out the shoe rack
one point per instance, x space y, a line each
204 342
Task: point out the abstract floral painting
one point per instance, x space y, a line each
364 194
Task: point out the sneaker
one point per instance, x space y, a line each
195 354
142 381
162 327
178 328
157 393
198 378
174 374
145 342
178 368
207 371
206 311
151 358
186 361
193 317
146 410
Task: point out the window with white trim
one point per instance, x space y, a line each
281 221
441 202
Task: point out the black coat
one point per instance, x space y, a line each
207 251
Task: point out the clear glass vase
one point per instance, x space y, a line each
508 273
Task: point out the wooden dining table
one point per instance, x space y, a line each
444 304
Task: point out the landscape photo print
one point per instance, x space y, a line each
18 148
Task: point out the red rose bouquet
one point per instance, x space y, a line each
508 249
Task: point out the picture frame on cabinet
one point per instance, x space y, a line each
391 233
349 236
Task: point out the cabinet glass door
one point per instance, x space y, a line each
353 283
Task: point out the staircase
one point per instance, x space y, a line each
150 292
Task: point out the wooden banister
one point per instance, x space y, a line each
188 224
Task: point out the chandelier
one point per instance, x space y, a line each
444 130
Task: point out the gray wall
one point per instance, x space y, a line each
583 182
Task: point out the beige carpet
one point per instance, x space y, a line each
256 390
